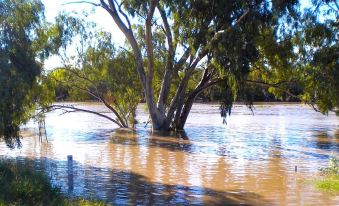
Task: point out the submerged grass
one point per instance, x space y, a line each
21 185
330 180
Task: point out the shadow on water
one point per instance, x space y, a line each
168 140
181 142
127 188
325 141
84 136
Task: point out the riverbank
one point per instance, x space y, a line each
21 184
330 183
330 177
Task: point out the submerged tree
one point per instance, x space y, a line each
236 44
95 70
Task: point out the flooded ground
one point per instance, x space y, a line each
249 161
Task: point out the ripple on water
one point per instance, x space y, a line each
251 160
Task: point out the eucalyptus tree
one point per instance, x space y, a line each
317 44
232 43
94 69
23 46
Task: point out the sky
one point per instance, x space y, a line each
100 17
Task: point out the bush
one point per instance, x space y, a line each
330 181
333 167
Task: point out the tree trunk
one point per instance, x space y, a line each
180 123
185 112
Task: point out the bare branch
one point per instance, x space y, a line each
114 111
148 40
80 76
313 107
75 109
96 96
100 98
82 2
66 112
150 56
166 82
111 9
124 14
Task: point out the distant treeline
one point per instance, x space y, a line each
214 94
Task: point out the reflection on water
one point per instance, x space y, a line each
250 161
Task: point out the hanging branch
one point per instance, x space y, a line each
69 109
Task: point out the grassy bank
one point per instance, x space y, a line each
21 185
329 183
330 177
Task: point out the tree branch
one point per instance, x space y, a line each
274 85
121 120
166 82
82 2
75 109
183 59
149 48
111 8
201 54
130 37
99 98
124 14
96 96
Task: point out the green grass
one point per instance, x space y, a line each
329 183
330 180
21 185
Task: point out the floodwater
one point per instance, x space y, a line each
250 161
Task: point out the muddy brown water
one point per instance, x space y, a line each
249 161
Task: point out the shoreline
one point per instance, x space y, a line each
196 102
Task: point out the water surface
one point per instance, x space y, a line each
249 161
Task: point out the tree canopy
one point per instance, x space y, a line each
24 43
96 70
236 44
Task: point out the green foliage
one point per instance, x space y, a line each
96 71
330 181
318 66
304 63
82 202
21 185
232 47
329 184
19 68
333 167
